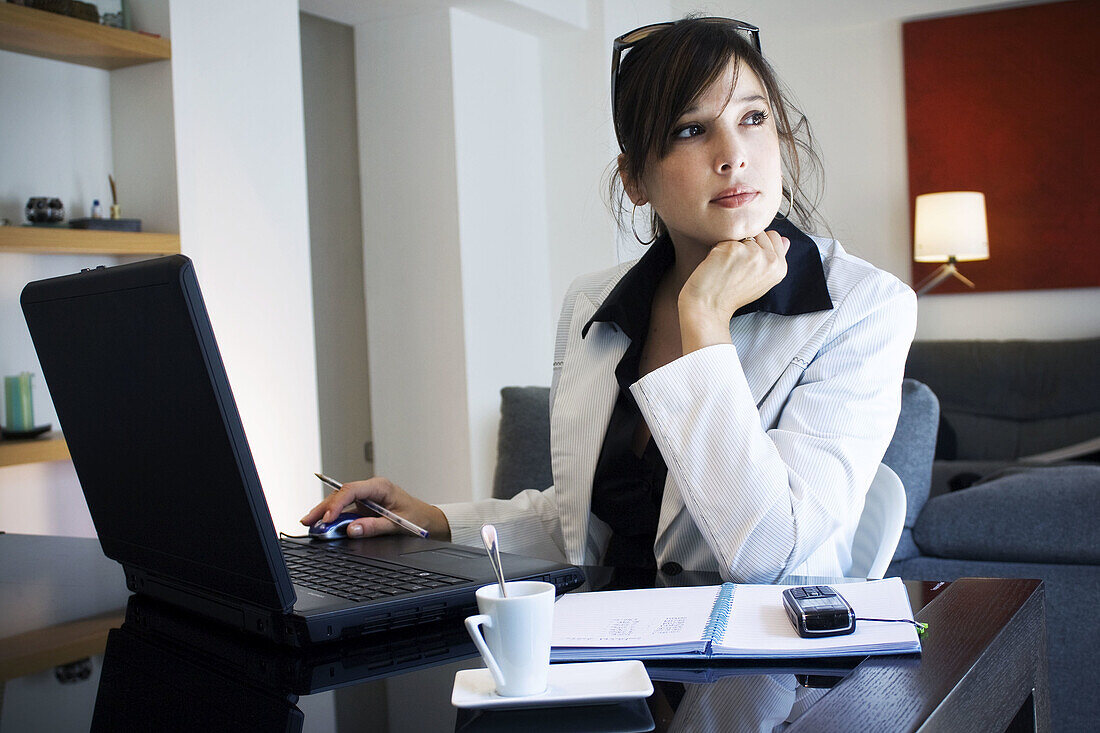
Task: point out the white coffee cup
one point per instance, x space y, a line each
516 640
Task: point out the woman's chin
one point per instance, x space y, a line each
746 230
741 234
709 237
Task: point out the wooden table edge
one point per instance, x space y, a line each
898 692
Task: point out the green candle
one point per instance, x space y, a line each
17 402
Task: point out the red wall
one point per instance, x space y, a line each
1006 103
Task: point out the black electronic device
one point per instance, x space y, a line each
818 610
134 371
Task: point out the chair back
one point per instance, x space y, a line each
523 441
910 455
879 527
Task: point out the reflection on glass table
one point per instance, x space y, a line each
164 669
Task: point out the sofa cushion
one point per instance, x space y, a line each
1044 515
1006 399
956 475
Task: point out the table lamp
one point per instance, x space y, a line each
949 227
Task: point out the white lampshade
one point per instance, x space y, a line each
950 224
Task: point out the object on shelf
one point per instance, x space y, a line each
114 225
18 406
25 434
114 13
44 210
97 209
71 8
116 210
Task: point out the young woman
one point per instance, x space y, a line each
722 403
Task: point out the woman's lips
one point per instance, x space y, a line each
734 198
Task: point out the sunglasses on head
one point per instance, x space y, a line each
632 38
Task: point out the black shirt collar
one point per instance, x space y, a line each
803 290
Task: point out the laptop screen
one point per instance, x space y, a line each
143 400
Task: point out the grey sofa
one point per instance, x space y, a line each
1015 519
1002 401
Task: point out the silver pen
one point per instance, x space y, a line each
379 509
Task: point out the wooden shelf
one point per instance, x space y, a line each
49 35
60 240
59 37
49 447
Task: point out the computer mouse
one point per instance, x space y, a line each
334 530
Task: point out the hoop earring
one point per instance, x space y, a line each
634 228
790 203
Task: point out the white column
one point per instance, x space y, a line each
505 264
411 255
240 154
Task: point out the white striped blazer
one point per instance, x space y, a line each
771 442
744 704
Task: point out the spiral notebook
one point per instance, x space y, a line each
735 621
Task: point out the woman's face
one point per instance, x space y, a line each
722 178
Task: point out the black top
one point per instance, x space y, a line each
627 490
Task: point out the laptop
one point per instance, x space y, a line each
130 360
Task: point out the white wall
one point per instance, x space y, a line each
336 236
505 264
143 130
462 154
411 260
237 90
57 135
843 60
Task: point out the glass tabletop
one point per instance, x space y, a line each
164 668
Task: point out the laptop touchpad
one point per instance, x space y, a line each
450 560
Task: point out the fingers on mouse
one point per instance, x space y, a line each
334 530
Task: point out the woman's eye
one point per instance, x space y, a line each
688 131
756 118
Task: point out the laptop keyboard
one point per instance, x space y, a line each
331 571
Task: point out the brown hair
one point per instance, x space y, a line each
665 73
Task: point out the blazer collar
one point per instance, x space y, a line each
803 290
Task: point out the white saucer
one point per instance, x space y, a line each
582 683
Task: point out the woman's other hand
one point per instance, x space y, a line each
733 274
388 494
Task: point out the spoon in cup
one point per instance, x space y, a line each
489 538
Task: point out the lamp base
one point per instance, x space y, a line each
948 269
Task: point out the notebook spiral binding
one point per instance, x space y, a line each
719 614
